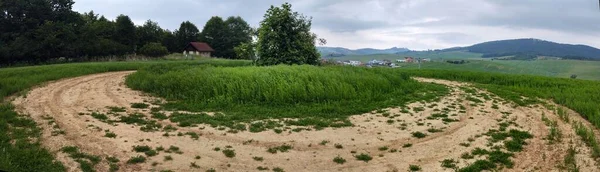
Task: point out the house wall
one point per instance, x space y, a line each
205 54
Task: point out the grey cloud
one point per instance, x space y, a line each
564 20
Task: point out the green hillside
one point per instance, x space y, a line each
554 68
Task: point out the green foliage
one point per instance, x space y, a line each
136 160
229 153
414 168
588 137
150 32
125 32
187 32
339 160
86 161
282 148
17 151
316 96
224 36
141 148
284 37
154 50
449 163
363 157
579 95
245 51
139 105
215 34
110 135
419 134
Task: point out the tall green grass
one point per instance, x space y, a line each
20 148
579 95
254 93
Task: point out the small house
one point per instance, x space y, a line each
198 48
409 59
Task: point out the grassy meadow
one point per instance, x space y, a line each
317 96
325 96
587 70
582 96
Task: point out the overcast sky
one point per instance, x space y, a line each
414 24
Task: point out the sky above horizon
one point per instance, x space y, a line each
413 24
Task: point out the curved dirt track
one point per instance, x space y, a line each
69 102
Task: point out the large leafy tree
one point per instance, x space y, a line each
150 32
170 41
239 32
215 34
125 32
284 37
188 32
36 30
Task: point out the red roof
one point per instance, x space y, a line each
202 47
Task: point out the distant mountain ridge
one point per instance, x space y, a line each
339 51
532 48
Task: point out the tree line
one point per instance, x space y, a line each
38 31
41 31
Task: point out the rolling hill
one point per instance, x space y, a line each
339 51
532 48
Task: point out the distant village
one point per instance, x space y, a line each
381 63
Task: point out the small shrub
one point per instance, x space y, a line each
151 153
256 158
139 105
414 168
363 157
419 135
449 163
136 160
338 146
110 135
229 153
339 160
141 148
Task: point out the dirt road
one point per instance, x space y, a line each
63 108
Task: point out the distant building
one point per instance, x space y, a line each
401 61
198 48
409 59
375 62
351 62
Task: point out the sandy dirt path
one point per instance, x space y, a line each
64 106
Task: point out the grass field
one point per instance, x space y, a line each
587 70
324 96
318 96
20 149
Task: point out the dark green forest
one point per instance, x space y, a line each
45 31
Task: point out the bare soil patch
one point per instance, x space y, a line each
64 109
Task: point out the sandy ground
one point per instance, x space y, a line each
68 101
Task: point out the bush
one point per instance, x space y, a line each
154 50
363 157
136 160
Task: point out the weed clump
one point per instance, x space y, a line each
363 157
419 135
339 160
136 160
